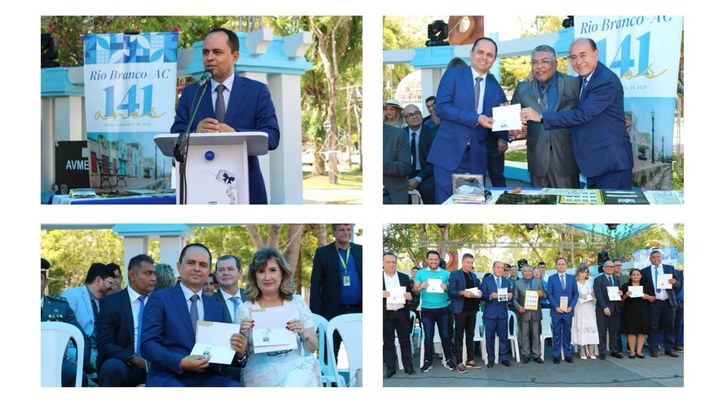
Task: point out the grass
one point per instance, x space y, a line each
348 179
516 156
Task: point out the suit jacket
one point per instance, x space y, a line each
555 292
115 328
80 301
168 335
601 142
456 284
219 297
250 109
425 137
325 279
495 309
519 299
456 106
541 141
404 282
57 309
602 296
666 269
396 163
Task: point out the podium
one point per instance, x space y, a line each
217 168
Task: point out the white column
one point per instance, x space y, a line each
133 246
286 160
169 249
263 160
47 146
430 77
68 122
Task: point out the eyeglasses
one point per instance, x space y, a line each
413 114
534 63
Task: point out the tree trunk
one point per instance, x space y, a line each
321 234
255 236
273 238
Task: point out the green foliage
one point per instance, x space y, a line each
71 252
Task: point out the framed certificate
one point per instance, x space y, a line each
531 301
563 302
503 294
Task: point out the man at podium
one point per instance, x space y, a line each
233 103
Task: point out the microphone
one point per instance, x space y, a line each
205 78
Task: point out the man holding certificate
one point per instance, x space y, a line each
662 311
496 291
527 292
609 310
563 294
465 301
432 285
396 294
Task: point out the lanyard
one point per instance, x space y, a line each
345 260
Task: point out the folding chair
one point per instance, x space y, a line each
349 326
54 337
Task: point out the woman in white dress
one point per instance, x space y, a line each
584 324
269 285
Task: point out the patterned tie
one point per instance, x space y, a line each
219 109
194 311
584 84
563 282
659 290
236 301
545 97
477 91
141 299
413 150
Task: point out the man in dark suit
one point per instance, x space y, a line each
228 273
396 165
336 279
529 319
460 143
420 139
608 312
602 147
169 327
396 318
662 310
562 285
240 104
119 329
57 309
549 152
464 306
495 314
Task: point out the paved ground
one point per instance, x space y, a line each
649 372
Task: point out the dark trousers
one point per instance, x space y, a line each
561 336
661 317
495 166
431 318
200 379
115 372
465 322
620 179
679 314
608 323
497 327
397 322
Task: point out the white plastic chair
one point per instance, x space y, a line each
54 337
415 197
512 337
321 324
545 331
349 326
410 336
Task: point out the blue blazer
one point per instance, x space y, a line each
80 301
456 106
554 292
600 139
666 269
250 109
115 328
167 334
456 284
495 309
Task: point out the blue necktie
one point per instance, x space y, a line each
611 282
563 282
477 91
219 109
235 300
194 311
141 299
498 282
545 97
584 85
413 151
659 290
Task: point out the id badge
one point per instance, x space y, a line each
346 280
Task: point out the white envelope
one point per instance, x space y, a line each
507 118
396 295
270 333
613 293
213 339
435 285
475 291
637 291
663 281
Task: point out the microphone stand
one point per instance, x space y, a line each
181 147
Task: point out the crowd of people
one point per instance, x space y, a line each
573 125
144 333
595 314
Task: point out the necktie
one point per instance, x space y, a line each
141 299
584 84
194 311
235 300
94 303
219 109
545 97
413 150
659 290
611 282
563 282
498 282
477 92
